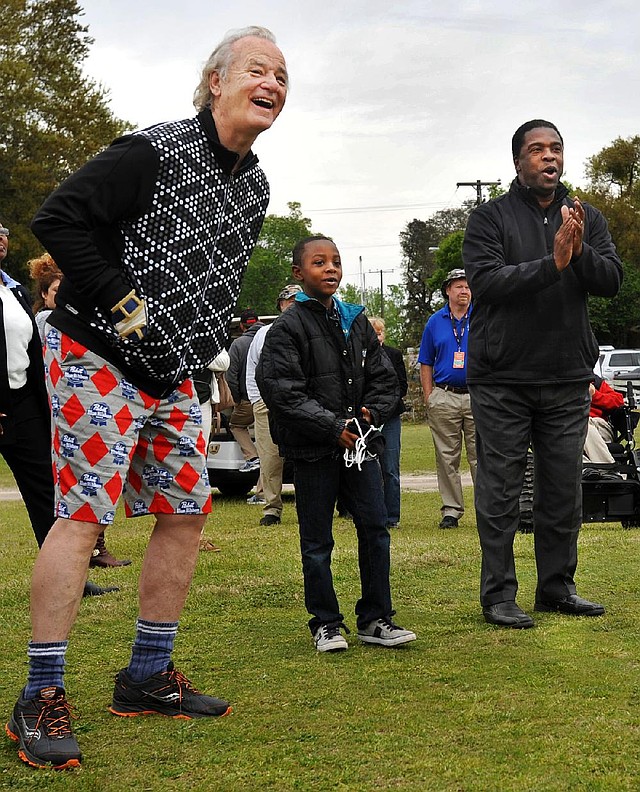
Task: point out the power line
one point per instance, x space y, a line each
389 208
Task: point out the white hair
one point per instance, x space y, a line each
220 59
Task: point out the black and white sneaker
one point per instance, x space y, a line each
385 633
328 638
167 693
42 727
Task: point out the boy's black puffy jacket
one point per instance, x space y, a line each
314 377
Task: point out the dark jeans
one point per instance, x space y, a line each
28 456
390 463
554 418
318 484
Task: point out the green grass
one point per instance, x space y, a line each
466 707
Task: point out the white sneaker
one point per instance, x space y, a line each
385 633
256 500
328 638
250 465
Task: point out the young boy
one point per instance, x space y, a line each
320 368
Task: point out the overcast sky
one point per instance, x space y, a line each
391 103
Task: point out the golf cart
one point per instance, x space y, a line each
611 492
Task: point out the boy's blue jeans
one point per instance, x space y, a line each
318 484
391 468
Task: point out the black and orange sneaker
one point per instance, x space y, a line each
42 727
167 693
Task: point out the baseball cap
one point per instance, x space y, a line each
289 291
452 275
248 316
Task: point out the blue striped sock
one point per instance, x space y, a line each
46 666
152 648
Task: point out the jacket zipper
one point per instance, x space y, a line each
187 343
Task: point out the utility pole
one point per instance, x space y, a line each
361 280
478 185
382 272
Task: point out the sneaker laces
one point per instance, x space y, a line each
177 678
331 630
359 454
389 624
56 716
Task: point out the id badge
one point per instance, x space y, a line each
458 360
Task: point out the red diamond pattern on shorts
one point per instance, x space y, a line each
113 488
161 448
143 449
55 372
201 444
84 514
123 419
72 410
134 481
147 400
160 505
187 478
186 387
56 441
178 419
67 480
207 506
94 448
70 347
104 381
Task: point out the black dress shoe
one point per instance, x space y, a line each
572 605
93 590
448 522
507 614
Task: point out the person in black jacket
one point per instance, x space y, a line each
532 257
153 236
25 433
322 370
391 431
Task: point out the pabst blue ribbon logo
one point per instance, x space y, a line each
186 446
99 413
150 475
55 406
139 507
76 376
173 397
68 445
187 507
153 421
63 510
119 453
53 338
195 413
90 483
164 479
128 390
108 518
139 422
205 476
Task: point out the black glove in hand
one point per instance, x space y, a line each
130 317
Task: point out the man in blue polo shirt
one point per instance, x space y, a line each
443 375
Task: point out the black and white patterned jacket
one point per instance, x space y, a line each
159 211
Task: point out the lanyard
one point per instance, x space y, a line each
464 321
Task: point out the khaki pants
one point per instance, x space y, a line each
450 419
239 423
271 463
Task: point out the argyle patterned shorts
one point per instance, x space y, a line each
111 438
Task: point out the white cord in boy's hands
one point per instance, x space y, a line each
359 454
130 317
